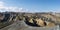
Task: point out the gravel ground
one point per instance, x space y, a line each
20 25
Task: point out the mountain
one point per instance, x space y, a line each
42 19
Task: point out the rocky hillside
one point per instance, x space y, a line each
30 19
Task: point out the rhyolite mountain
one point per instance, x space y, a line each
42 19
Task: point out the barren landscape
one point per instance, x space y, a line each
29 21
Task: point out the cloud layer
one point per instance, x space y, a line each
13 9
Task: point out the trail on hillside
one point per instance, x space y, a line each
20 25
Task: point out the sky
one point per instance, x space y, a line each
30 5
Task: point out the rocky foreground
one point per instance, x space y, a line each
29 21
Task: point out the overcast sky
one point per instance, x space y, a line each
30 5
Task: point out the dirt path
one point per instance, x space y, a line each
20 25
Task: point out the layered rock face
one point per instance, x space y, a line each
39 22
30 19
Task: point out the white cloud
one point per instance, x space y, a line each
15 9
1 3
